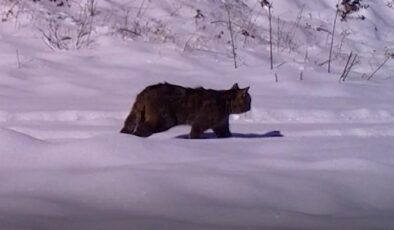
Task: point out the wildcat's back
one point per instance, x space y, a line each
162 106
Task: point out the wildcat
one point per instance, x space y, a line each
162 106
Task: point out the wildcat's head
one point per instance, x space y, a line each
241 100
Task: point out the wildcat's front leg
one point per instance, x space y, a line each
222 129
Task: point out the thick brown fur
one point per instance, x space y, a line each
162 106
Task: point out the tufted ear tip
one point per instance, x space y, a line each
235 86
245 91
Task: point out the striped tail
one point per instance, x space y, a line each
134 119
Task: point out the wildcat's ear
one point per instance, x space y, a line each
244 91
235 86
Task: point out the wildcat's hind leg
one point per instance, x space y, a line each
195 132
144 130
155 124
198 128
222 129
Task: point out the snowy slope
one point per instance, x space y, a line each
311 154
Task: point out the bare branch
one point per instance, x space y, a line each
332 40
345 69
379 67
270 31
231 35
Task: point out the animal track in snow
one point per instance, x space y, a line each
78 124
61 116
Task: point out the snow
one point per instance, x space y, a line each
311 154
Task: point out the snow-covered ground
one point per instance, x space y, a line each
311 154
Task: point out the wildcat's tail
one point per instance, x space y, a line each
134 119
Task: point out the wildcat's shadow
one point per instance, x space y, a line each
211 135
